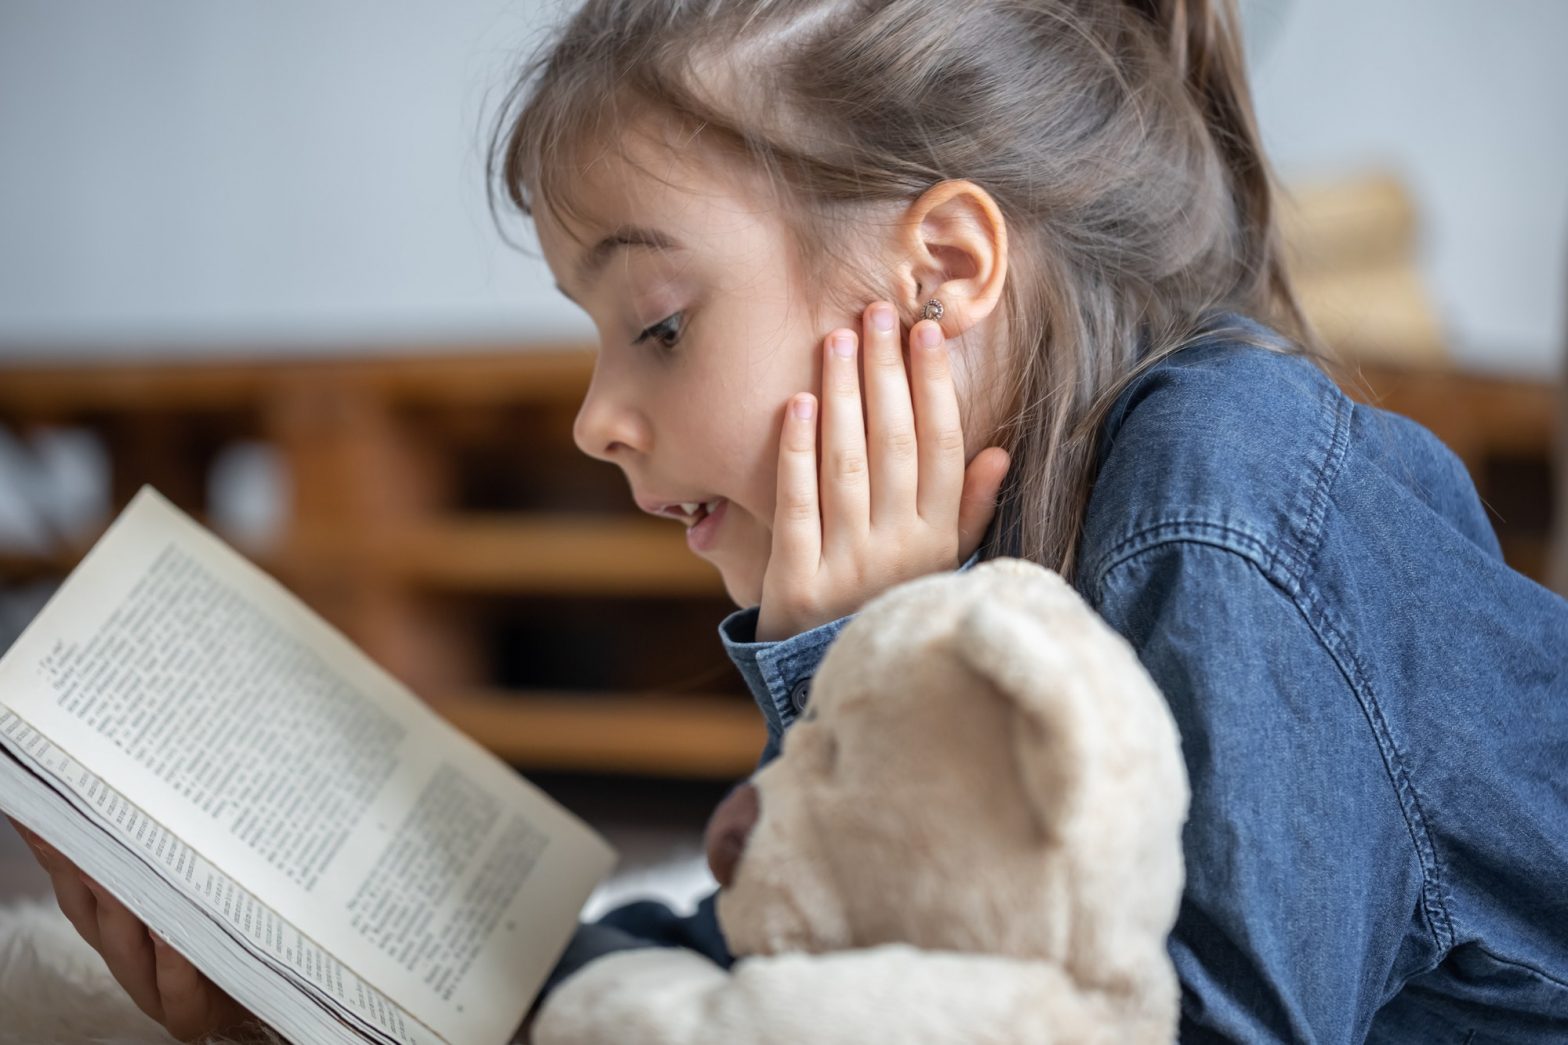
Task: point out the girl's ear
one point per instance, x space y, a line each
951 244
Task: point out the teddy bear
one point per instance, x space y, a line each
973 834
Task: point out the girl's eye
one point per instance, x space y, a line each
667 332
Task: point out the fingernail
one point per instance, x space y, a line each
929 335
805 408
843 345
882 317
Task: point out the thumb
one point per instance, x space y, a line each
977 504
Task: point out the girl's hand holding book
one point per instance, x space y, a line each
162 983
894 507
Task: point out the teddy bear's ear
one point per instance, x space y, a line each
1053 724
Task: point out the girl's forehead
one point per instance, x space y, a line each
677 205
657 173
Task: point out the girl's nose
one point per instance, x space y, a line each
728 829
606 426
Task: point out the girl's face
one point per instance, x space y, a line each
702 341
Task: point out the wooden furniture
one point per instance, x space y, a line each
1557 568
439 513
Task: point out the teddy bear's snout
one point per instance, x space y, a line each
728 829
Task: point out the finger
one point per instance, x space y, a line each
46 855
845 483
76 902
190 1001
127 950
41 850
939 427
27 836
890 421
982 485
797 521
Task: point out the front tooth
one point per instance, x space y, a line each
690 507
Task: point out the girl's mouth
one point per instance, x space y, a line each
691 512
701 534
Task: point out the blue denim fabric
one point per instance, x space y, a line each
1373 710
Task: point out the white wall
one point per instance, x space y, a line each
251 170
1469 103
307 173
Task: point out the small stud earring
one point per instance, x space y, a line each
932 310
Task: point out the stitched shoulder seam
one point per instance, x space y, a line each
1328 467
1335 638
1180 530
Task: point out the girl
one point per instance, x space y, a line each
1373 707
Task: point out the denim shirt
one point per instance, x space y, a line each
1373 711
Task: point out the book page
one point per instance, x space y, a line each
220 704
204 884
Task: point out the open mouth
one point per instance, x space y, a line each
693 512
701 534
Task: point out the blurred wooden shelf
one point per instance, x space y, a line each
437 375
55 562
25 567
562 554
658 734
439 514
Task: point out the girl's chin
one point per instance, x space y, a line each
742 589
741 571
741 593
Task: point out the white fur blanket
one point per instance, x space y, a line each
56 990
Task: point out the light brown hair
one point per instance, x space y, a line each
1117 138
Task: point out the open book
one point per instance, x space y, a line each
296 822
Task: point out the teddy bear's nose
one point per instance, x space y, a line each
728 829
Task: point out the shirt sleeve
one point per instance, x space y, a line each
1303 904
779 672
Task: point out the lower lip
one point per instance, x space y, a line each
700 538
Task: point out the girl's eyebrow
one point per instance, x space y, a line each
593 262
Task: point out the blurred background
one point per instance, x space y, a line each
245 256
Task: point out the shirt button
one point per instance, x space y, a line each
797 695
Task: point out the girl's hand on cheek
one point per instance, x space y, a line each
895 506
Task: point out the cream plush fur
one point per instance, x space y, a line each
974 835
